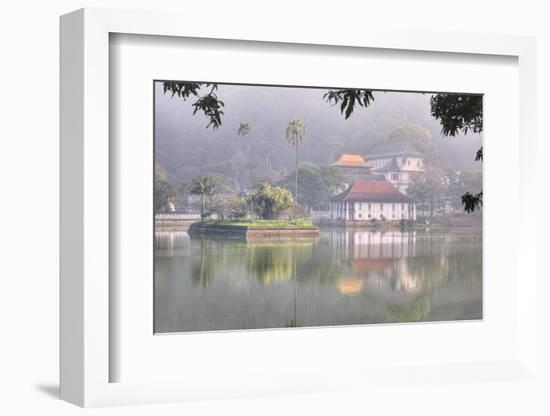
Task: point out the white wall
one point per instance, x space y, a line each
376 209
29 208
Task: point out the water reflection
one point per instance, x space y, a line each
344 277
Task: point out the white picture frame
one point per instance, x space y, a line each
85 212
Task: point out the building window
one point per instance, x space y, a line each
368 215
381 207
409 162
359 215
395 176
403 207
369 206
393 207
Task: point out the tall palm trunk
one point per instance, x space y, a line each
250 182
295 184
251 202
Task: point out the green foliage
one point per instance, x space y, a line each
226 204
333 179
244 129
295 131
416 135
428 189
163 192
315 185
204 186
458 113
218 197
420 138
472 202
209 104
461 113
414 311
182 89
479 154
348 98
271 200
460 184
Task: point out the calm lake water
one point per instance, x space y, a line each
345 277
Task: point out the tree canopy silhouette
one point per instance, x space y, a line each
461 114
208 103
348 98
458 113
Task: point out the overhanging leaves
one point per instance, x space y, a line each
209 104
348 99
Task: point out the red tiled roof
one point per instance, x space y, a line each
371 191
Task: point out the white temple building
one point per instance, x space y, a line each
367 200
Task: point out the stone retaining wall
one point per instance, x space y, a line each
260 232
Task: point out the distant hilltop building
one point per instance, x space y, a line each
398 162
369 199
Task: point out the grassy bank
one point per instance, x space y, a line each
261 223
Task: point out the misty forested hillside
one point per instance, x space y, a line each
185 148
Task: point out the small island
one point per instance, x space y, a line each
254 230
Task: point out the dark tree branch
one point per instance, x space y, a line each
458 113
472 202
210 105
348 98
461 114
479 154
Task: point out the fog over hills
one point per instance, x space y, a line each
186 148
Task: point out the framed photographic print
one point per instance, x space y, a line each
358 211
241 216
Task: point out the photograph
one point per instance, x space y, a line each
283 206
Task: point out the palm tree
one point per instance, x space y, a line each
244 129
295 133
203 186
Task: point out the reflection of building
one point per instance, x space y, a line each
377 263
398 162
368 200
350 285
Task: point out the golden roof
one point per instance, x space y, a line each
350 160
